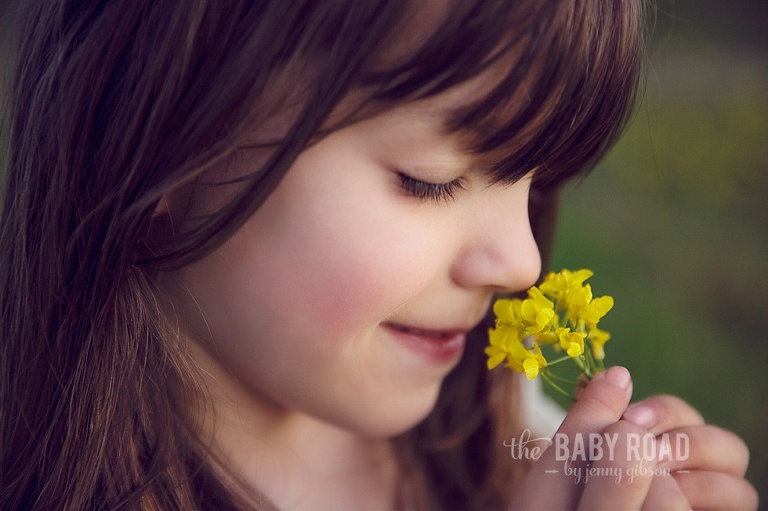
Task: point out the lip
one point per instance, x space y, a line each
437 346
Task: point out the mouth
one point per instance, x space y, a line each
437 346
435 334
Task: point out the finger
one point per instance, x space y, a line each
601 403
621 476
665 495
663 413
552 482
715 490
703 448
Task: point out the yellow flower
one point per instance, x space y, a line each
595 310
561 312
508 311
498 349
558 285
571 342
575 300
537 311
578 297
532 366
523 360
547 337
598 339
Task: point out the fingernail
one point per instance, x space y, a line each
640 415
618 376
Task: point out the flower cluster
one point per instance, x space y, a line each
562 314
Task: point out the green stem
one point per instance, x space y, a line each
558 360
561 378
592 364
556 386
580 363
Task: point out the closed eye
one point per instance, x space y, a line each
436 192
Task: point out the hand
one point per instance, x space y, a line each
571 480
707 463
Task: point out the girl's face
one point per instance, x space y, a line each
348 295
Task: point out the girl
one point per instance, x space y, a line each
247 248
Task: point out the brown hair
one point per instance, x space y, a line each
115 103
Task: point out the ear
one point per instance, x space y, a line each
162 207
161 230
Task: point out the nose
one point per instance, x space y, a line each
500 252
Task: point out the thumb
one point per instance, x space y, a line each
600 404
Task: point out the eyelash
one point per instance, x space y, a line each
436 192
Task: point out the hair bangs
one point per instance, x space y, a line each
556 125
546 59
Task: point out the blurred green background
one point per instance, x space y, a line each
675 221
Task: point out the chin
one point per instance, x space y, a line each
391 420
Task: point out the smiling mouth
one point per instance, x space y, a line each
436 346
435 334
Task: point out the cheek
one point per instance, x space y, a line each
317 275
333 244
340 266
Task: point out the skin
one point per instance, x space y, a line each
321 326
302 311
712 476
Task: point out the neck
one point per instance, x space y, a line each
294 459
